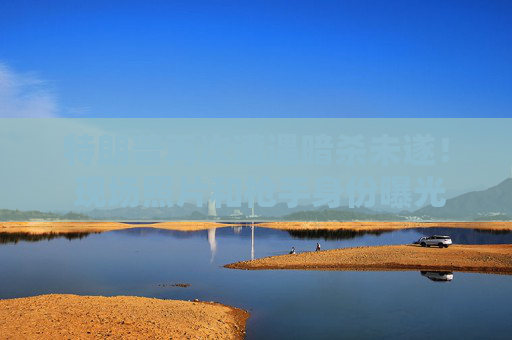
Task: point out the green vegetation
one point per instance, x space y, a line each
337 215
17 215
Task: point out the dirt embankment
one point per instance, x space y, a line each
385 226
122 317
463 258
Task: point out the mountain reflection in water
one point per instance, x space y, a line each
404 236
6 238
328 234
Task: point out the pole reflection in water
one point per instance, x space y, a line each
252 241
212 242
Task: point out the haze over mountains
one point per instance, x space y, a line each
494 203
279 210
485 204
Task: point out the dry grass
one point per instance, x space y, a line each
33 227
383 226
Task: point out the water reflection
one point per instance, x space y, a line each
252 242
6 238
212 242
283 304
458 235
331 238
439 276
470 236
328 234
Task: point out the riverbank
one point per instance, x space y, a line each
386 226
63 227
127 317
492 259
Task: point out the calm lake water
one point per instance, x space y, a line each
283 304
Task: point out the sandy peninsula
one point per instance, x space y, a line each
385 226
62 227
122 317
495 259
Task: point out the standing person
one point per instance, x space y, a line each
318 246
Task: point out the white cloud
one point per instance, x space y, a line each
25 96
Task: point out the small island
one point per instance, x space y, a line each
489 259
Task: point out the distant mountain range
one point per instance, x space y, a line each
142 213
191 211
18 215
341 215
491 204
494 203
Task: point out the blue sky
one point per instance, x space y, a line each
256 59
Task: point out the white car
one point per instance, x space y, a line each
435 240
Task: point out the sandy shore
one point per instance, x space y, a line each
61 227
386 226
123 317
462 258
